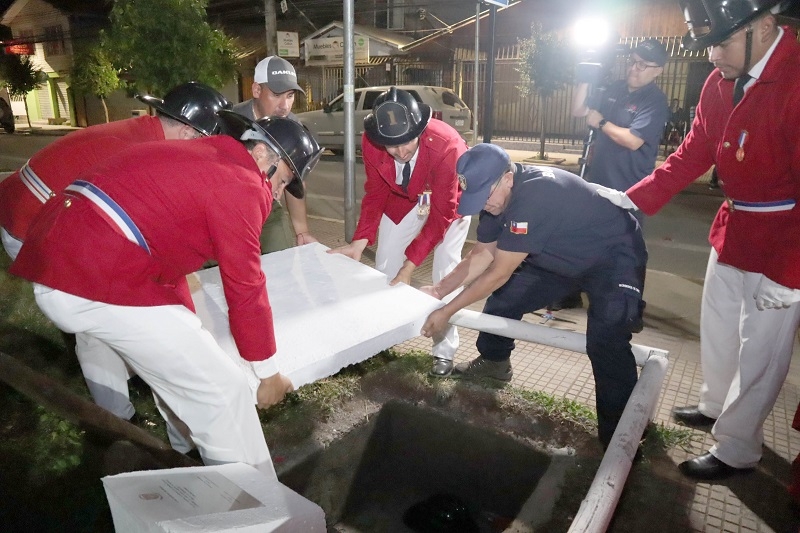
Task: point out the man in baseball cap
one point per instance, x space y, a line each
550 229
626 122
274 89
627 119
274 86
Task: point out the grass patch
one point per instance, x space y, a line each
661 437
556 406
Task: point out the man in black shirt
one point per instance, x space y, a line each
544 233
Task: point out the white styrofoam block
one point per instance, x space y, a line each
224 498
329 312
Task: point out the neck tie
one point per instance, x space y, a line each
738 87
406 175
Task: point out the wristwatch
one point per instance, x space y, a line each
601 124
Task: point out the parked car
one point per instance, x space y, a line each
327 124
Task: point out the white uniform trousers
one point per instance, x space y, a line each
11 244
393 239
105 373
745 355
184 366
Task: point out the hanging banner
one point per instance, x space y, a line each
330 50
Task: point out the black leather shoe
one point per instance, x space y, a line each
692 417
709 468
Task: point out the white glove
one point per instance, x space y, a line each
618 198
772 295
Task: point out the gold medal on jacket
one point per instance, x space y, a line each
424 203
740 151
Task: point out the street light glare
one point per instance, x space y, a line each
590 33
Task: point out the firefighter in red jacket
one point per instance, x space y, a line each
746 125
188 111
411 195
109 257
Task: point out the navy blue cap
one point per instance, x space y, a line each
478 169
653 51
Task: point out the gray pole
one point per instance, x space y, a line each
488 107
271 27
349 130
477 74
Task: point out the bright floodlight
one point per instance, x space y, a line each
590 33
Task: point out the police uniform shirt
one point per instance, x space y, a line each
644 111
559 220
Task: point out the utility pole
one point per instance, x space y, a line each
488 96
271 27
349 123
488 107
477 74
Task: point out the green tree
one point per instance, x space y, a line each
94 74
546 66
21 77
158 44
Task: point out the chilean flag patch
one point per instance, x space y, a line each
520 228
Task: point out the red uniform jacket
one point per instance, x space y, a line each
767 243
59 163
192 201
439 148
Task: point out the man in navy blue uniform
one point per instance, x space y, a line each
544 233
628 119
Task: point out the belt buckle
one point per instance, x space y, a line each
729 201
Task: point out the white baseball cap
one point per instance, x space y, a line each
278 74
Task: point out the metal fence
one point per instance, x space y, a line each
516 117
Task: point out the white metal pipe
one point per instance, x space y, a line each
525 331
598 506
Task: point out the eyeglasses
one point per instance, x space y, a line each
494 187
640 65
